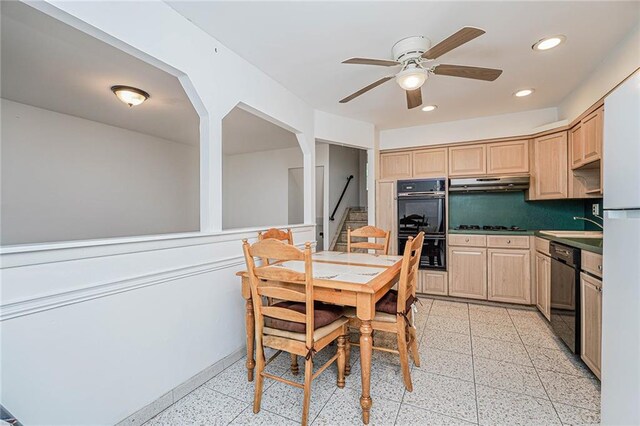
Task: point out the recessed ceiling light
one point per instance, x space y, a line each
523 93
429 108
549 42
130 95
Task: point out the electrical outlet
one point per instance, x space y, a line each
595 209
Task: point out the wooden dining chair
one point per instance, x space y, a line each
394 312
368 232
297 324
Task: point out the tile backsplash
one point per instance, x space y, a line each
511 209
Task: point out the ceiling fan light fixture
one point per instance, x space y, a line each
411 78
130 95
524 92
429 108
548 43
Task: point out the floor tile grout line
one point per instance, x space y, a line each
440 413
473 367
537 374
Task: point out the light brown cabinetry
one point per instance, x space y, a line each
395 165
468 160
550 167
592 126
468 272
509 275
543 284
591 322
508 157
432 282
386 210
430 162
591 263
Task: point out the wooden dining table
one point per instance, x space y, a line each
358 280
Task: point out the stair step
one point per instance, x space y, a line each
354 224
342 238
358 216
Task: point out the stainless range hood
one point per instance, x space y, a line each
489 184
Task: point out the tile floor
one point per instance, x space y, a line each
479 365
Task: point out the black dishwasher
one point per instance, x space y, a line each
565 294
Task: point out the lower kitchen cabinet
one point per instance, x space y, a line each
509 275
543 284
468 272
432 282
591 322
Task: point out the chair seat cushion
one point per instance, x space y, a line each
389 303
322 315
318 333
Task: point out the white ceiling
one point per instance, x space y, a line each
50 65
243 132
301 45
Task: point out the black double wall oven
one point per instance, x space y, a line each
421 207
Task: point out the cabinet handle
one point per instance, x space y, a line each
508 241
466 240
599 267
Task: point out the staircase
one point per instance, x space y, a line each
354 217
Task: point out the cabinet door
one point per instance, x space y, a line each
510 276
430 163
395 165
591 322
433 282
576 146
468 272
550 167
593 132
468 160
508 157
543 285
386 210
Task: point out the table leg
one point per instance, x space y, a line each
250 339
366 348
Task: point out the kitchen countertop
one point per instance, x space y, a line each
489 232
593 245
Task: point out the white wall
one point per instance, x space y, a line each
343 161
255 187
614 68
105 327
337 129
496 126
66 178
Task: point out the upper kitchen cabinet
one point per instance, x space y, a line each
508 157
468 160
549 167
592 133
395 165
430 163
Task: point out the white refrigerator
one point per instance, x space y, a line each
621 256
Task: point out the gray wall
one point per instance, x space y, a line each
343 161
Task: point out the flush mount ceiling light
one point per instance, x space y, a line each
429 108
524 92
411 78
549 42
130 95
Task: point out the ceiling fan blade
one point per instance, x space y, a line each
458 39
366 89
414 98
477 73
369 61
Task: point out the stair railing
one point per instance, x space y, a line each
333 215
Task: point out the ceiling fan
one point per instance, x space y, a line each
414 55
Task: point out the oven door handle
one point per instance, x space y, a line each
421 194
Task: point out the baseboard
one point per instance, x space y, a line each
163 402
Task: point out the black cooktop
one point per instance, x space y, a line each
488 228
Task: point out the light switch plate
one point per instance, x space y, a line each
595 209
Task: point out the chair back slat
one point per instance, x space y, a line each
275 273
368 232
281 293
276 250
288 288
409 271
283 314
277 234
